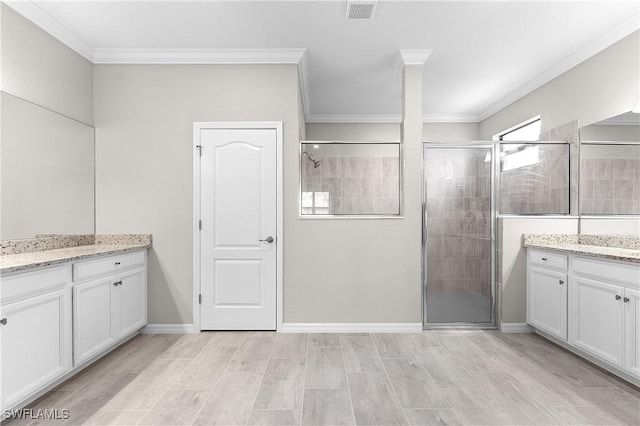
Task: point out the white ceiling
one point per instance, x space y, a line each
484 54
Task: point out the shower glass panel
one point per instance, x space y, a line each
534 178
458 235
340 179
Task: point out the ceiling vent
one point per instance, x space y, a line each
360 9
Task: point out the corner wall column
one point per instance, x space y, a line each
411 137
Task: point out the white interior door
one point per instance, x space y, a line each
238 183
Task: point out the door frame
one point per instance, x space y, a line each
495 181
267 125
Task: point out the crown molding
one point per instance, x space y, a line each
413 56
198 56
42 19
614 35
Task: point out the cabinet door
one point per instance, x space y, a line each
92 308
132 302
35 344
632 331
597 318
547 301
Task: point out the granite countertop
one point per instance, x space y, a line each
612 247
19 262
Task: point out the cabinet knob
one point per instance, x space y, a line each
117 263
3 321
618 297
117 283
560 282
544 258
625 300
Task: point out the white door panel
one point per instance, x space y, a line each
238 209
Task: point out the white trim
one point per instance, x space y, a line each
516 327
39 17
199 56
414 56
169 329
42 19
354 327
612 36
277 126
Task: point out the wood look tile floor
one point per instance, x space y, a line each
264 378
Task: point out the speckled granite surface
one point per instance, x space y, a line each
614 247
119 244
123 239
44 242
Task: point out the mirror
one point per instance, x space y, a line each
46 172
610 166
350 179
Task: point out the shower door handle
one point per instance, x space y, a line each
269 239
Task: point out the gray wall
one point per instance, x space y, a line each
512 259
601 87
450 132
40 69
370 132
601 132
390 132
144 176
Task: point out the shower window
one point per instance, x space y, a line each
339 179
534 178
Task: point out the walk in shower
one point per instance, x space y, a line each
459 213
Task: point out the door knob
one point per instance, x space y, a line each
3 321
625 300
560 282
618 297
269 239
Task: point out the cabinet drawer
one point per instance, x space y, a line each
107 266
626 273
25 284
546 259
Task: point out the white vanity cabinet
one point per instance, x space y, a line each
632 331
603 311
56 320
547 292
35 331
109 302
596 313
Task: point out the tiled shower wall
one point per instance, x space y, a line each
458 206
542 188
356 185
610 186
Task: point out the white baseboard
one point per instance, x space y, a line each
515 327
169 329
349 327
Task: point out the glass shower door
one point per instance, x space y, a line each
459 221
